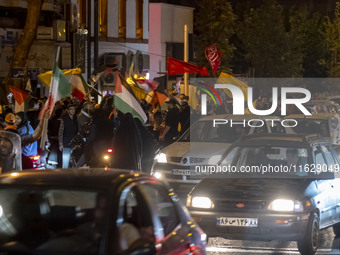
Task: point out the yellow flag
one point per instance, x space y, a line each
193 98
45 78
139 92
225 78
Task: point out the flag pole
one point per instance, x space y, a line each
186 75
45 120
92 88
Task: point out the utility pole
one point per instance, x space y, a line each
96 33
186 75
89 23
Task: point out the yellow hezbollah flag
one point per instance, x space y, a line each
45 78
225 78
139 92
193 97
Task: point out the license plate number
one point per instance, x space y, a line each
237 222
184 172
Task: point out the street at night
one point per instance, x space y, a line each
169 127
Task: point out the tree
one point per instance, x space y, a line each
270 48
307 30
25 42
333 42
215 24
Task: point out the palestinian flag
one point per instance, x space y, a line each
59 89
21 102
79 86
125 102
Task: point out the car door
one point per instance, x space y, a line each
135 223
178 233
323 199
334 183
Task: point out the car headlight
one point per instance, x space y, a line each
200 202
161 158
214 160
158 175
285 205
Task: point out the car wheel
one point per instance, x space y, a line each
309 244
336 229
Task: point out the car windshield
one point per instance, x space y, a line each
312 126
268 161
203 131
50 220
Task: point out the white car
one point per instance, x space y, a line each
204 144
325 125
322 106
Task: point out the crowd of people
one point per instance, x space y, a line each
80 132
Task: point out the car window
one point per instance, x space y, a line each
319 158
312 126
40 217
166 208
137 220
276 127
204 131
329 157
260 130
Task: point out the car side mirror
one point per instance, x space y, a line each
140 247
326 175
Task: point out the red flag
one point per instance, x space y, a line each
176 66
214 57
19 95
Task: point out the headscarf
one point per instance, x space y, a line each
24 119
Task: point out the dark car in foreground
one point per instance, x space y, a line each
93 211
278 188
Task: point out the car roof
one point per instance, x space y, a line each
281 139
314 116
73 177
236 117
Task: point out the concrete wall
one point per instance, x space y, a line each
166 23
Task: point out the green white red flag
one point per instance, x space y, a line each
59 89
79 86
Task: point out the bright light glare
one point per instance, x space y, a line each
147 76
161 158
284 205
1 211
202 202
14 174
106 157
158 175
214 159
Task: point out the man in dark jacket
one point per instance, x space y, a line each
67 130
171 123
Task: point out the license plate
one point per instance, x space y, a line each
184 172
237 222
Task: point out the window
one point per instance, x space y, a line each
166 208
329 157
139 19
82 13
122 19
137 221
319 159
103 7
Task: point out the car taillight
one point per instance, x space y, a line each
110 150
35 158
